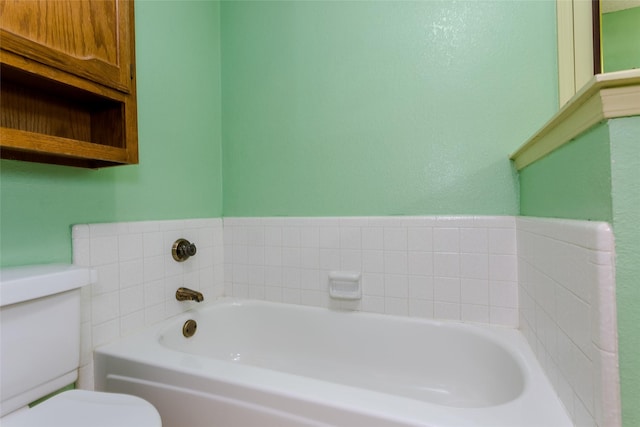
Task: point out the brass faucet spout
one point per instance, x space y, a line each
186 294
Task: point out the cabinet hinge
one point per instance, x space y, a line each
131 71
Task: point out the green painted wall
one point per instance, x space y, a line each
621 39
376 108
342 108
178 70
573 182
625 176
597 177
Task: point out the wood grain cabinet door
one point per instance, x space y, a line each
92 39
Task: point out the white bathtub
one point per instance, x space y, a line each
255 363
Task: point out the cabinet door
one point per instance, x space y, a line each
89 38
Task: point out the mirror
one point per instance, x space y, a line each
617 35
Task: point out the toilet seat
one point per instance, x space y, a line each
80 408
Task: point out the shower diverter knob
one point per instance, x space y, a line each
182 249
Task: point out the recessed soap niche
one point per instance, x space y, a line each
345 285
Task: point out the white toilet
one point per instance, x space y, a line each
40 354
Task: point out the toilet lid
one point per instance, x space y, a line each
79 408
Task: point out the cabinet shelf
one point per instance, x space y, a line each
44 120
31 146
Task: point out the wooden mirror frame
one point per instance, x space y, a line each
596 23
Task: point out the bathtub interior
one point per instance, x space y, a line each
487 376
431 362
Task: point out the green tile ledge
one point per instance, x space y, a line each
606 96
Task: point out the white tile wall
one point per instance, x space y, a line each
568 313
553 278
432 267
137 276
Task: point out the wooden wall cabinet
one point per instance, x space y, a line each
68 89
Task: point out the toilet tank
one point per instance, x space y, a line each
39 331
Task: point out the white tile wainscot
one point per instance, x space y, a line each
451 267
552 278
568 313
138 277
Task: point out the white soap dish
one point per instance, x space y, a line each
345 285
